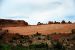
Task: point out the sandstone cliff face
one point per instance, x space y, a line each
7 22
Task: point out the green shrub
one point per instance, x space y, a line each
5 47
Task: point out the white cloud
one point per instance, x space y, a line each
38 10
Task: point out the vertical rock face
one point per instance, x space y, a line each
7 22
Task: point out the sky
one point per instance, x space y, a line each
33 11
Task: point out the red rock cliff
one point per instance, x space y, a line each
8 22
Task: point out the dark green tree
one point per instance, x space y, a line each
69 22
63 22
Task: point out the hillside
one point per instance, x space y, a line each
45 29
11 23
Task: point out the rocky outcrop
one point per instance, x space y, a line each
8 22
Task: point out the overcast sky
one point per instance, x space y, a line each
34 11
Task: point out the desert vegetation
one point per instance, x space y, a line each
19 35
37 41
55 22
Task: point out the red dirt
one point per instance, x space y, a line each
44 29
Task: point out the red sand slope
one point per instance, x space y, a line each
45 29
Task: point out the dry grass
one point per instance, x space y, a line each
45 29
